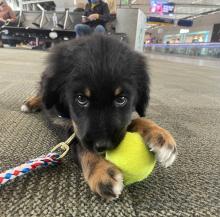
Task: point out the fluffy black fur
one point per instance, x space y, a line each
99 64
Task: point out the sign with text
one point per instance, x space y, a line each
162 7
168 8
183 31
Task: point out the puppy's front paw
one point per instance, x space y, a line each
158 139
32 104
163 145
106 180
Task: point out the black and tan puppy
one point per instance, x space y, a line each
96 83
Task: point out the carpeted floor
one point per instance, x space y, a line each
185 100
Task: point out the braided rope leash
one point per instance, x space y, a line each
50 159
43 161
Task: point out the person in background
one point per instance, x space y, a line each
112 5
79 7
177 41
7 16
96 15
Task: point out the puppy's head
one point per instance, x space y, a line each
103 82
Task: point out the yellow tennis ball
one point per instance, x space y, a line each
133 158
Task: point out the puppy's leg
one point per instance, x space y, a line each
102 176
32 104
158 139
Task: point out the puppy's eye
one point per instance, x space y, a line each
120 101
82 100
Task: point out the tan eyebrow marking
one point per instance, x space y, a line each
87 92
118 91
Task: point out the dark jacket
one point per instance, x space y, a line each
102 9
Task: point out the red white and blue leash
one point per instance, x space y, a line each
50 159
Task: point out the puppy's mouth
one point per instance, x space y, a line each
100 146
101 153
100 150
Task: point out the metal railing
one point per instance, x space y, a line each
189 49
24 2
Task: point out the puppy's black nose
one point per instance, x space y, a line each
100 149
102 146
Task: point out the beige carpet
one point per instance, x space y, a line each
185 100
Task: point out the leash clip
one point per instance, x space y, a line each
64 146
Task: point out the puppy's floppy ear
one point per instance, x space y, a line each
143 99
53 94
48 90
143 87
